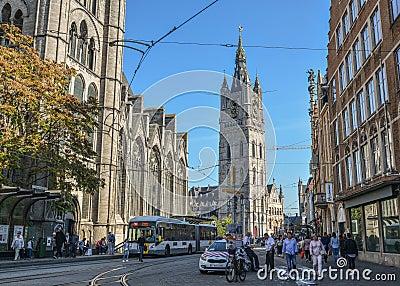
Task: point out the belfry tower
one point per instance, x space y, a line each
242 162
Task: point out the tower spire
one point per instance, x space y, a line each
241 75
257 86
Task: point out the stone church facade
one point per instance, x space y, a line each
242 150
78 32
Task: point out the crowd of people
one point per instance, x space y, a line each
315 250
63 245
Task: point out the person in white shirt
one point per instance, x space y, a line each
270 250
29 249
317 249
17 245
250 253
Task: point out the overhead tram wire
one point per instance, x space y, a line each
153 43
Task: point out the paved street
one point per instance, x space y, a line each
177 270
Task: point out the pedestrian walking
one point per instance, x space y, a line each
351 251
74 244
270 251
325 241
111 243
334 246
279 245
17 244
29 247
60 242
126 251
317 250
255 264
54 245
67 244
342 240
306 247
290 250
141 242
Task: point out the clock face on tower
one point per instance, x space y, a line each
234 109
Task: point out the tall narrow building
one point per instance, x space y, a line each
242 162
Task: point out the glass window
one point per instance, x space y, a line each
381 85
365 173
366 43
6 14
361 3
339 37
345 20
376 28
336 128
395 8
386 150
371 227
72 40
376 160
18 19
398 66
356 226
391 226
354 122
339 177
349 66
345 122
79 87
357 173
361 106
342 78
349 171
353 12
371 97
357 58
333 85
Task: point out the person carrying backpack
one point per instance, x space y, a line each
351 250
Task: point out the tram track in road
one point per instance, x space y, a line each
124 280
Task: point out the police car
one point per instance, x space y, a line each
214 258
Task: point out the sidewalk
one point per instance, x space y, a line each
10 263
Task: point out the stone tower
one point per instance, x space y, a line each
78 33
242 163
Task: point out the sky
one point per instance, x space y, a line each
290 39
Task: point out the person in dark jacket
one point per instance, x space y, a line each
60 241
141 242
325 241
351 250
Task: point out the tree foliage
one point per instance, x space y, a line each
221 225
44 131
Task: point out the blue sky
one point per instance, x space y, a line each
282 71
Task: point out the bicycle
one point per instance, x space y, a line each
237 265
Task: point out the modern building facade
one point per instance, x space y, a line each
363 108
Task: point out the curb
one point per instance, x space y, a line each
46 261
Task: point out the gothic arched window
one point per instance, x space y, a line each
155 169
241 149
72 40
91 54
253 148
18 20
79 86
82 43
6 14
228 151
261 151
254 176
92 91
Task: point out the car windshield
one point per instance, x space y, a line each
217 246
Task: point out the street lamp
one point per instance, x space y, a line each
242 206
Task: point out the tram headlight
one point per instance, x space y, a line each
203 257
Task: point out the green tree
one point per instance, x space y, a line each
43 129
221 225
